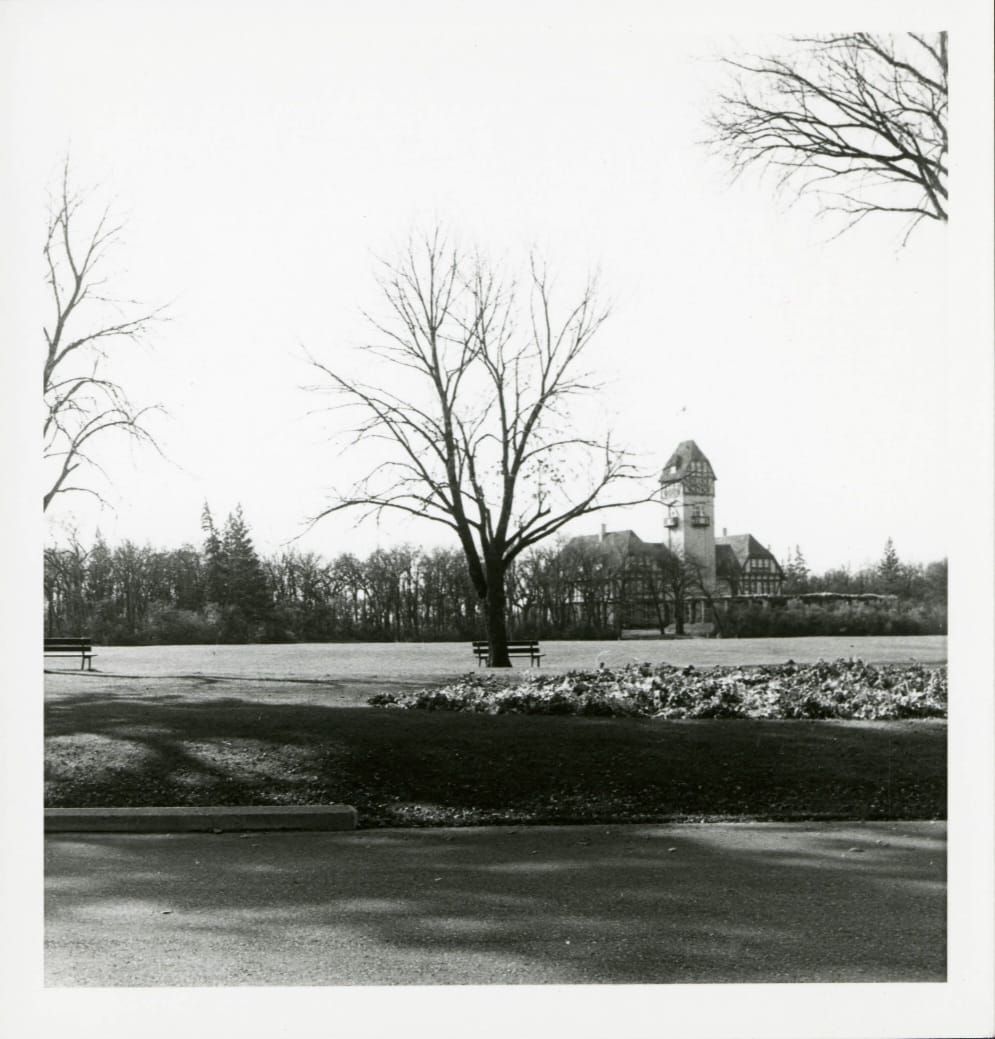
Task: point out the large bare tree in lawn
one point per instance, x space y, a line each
858 119
83 405
479 436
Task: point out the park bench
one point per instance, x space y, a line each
83 648
516 648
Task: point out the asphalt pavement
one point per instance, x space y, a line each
826 902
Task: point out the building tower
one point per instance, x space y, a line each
687 490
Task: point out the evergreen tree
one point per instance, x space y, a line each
100 572
796 573
215 578
247 588
889 570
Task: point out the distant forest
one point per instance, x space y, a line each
224 591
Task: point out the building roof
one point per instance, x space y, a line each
686 452
621 541
740 548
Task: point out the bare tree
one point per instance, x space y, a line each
480 439
858 119
707 592
83 405
680 580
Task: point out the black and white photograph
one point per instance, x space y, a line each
510 544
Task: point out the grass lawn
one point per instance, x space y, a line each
343 662
181 742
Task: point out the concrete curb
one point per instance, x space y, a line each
189 820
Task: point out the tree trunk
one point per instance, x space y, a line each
716 617
496 608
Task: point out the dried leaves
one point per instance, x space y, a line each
838 689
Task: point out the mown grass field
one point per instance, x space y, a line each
283 725
406 661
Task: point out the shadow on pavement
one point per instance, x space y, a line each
632 904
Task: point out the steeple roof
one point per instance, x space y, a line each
686 452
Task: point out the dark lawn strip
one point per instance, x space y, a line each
438 768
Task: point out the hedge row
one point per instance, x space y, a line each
812 619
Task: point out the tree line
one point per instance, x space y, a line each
224 591
915 582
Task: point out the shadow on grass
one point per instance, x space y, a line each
841 902
437 768
202 678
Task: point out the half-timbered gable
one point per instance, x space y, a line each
688 470
744 567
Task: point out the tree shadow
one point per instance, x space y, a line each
634 905
404 767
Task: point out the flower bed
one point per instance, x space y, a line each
827 689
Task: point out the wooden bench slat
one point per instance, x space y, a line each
64 647
511 642
516 648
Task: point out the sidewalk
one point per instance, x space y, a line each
616 904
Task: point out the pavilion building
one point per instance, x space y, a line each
681 581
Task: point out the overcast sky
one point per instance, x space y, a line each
264 160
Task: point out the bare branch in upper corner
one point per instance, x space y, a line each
858 120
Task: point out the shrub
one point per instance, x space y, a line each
751 620
170 627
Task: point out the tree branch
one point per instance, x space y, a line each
82 405
848 106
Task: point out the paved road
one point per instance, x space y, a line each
621 904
